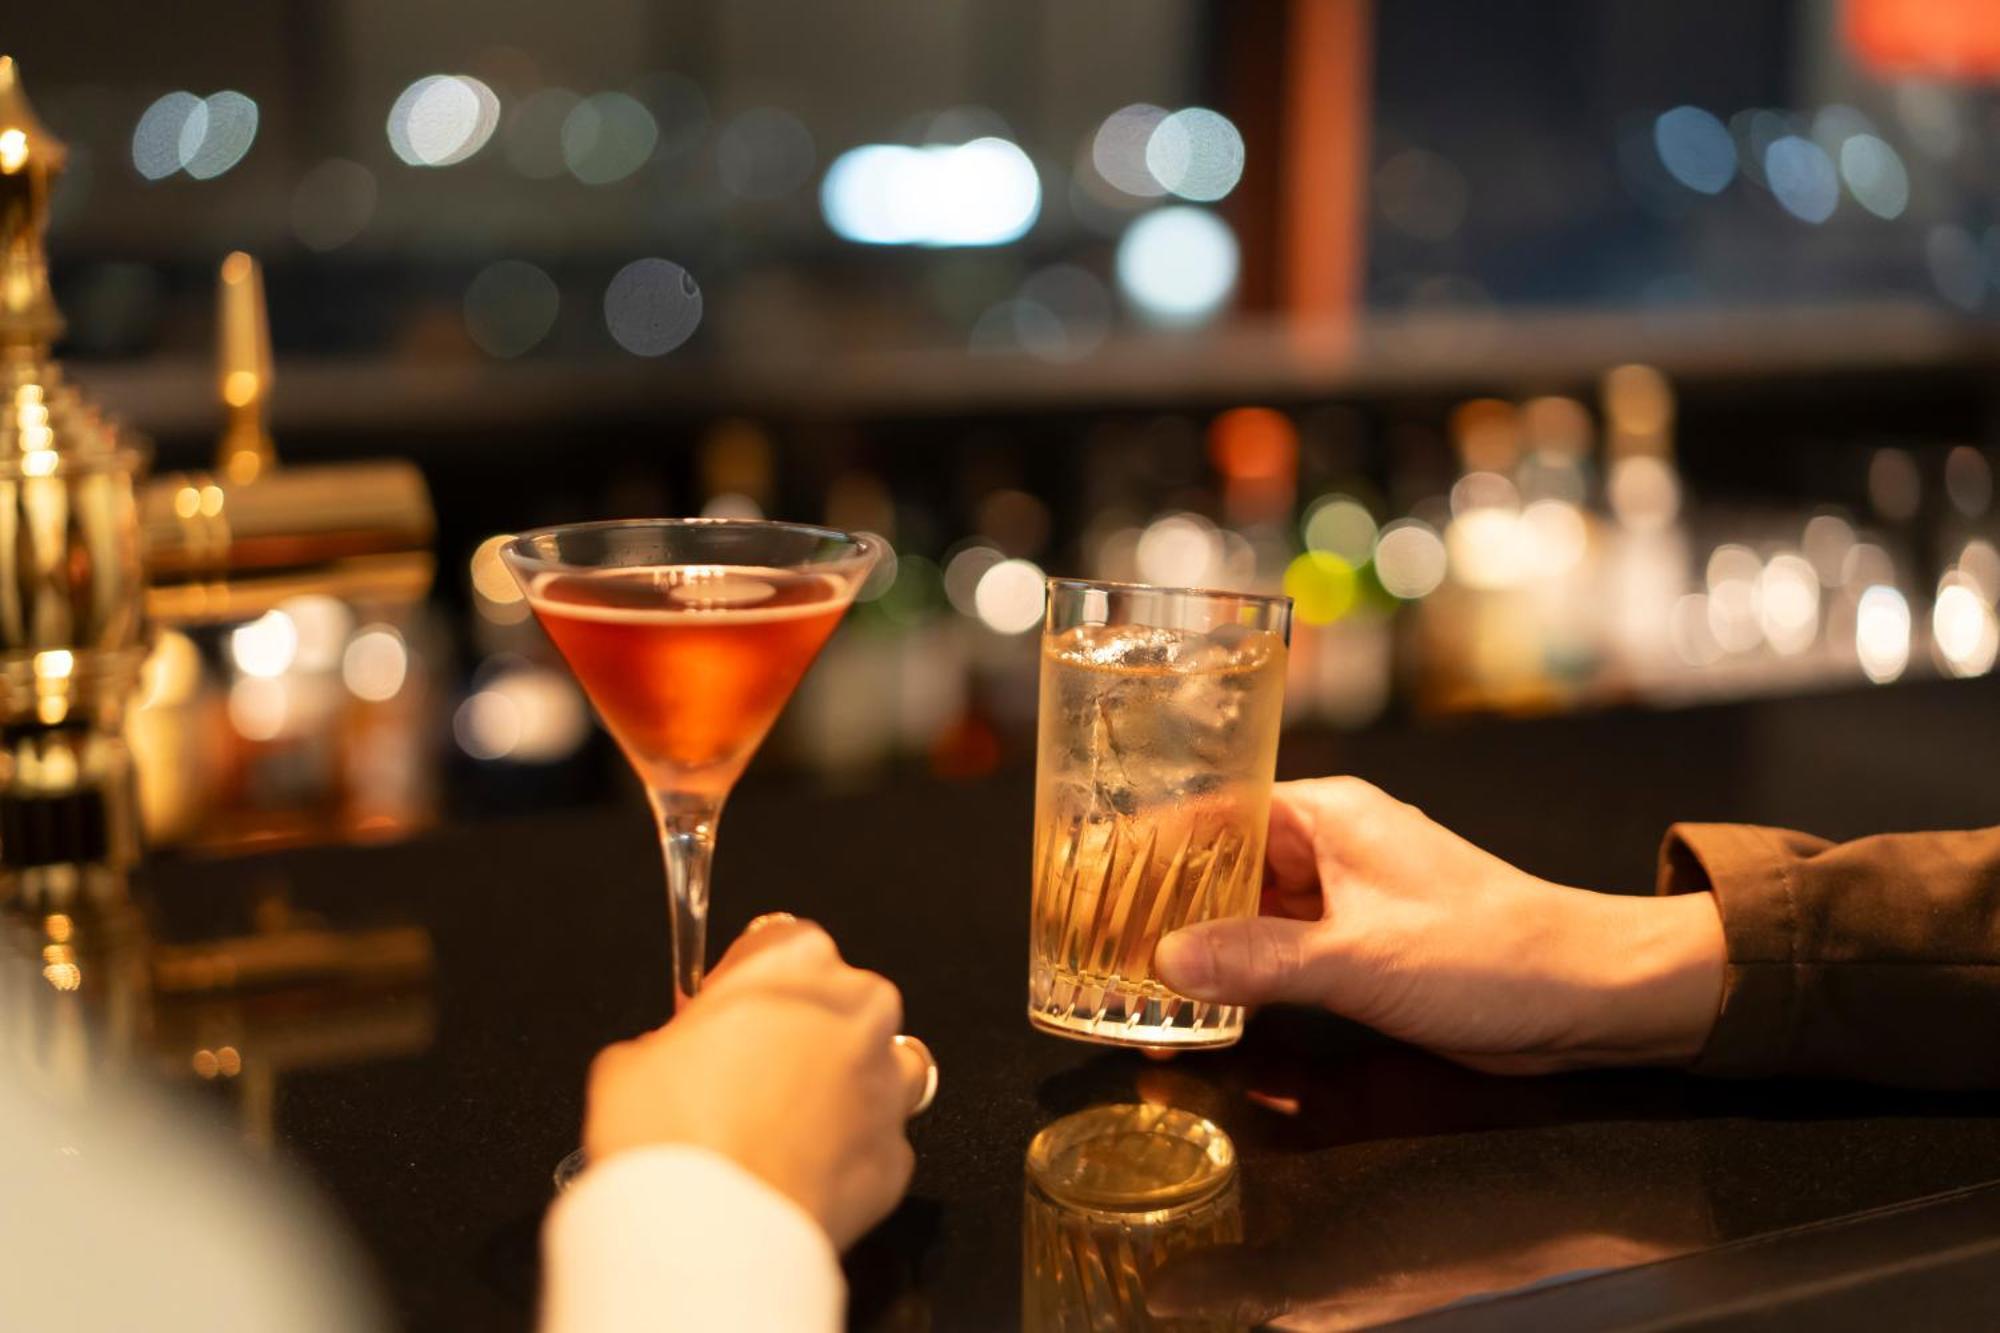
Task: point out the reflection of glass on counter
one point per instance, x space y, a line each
240 1011
1110 1201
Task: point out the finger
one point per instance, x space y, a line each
919 1070
1248 960
873 1001
776 933
1289 861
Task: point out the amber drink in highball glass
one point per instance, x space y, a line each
1160 711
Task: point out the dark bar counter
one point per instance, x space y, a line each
1376 1182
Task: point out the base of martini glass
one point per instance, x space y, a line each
1131 1158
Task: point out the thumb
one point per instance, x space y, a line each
1245 960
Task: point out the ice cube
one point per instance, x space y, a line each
1231 637
1119 645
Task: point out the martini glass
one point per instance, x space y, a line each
688 636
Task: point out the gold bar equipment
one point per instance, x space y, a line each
72 579
232 543
88 552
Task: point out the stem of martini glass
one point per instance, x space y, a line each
687 845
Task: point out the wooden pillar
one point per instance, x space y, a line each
1323 200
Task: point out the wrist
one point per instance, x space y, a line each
1662 962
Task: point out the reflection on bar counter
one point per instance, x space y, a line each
1116 1196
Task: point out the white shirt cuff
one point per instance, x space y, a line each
681 1238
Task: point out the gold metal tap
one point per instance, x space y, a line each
232 543
71 576
243 358
90 553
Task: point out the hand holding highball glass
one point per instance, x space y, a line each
1159 735
1159 739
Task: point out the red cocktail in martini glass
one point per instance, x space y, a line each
689 635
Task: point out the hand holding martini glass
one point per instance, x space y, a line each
688 636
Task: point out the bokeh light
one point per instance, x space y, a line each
1014 520
203 136
1644 492
1958 270
1930 114
1964 628
510 306
1802 178
320 627
156 140
217 134
1483 490
1118 150
1895 487
652 306
1882 633
1410 559
1321 586
963 570
1558 537
442 119
1258 445
1788 603
985 192
527 714
1755 129
1695 148
375 664
1734 597
1867 564
1875 176
607 137
1010 596
1828 538
1689 632
1341 525
911 598
496 592
1196 153
1179 551
259 707
732 504
1490 548
266 646
1177 265
1968 481
1979 563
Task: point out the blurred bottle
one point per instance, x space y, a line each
1647 550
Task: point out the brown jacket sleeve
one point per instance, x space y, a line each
1877 959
